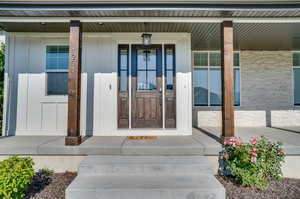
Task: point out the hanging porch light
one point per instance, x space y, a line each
146 36
146 39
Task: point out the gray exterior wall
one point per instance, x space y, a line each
266 93
30 111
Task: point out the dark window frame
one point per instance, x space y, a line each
134 70
50 71
120 69
173 70
295 67
208 67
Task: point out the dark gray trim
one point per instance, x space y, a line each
145 2
152 7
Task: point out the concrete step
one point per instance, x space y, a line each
144 165
145 187
145 177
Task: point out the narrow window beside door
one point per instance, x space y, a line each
170 86
170 66
123 97
57 69
123 68
207 78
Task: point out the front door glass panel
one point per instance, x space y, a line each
146 69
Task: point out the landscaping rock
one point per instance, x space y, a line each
49 186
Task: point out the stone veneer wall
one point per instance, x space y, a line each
266 93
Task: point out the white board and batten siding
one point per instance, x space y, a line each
30 111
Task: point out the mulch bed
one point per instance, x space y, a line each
49 186
53 186
287 188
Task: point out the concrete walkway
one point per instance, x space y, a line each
103 145
202 142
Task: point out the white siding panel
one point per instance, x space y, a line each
22 104
108 101
49 116
97 110
183 82
21 81
35 90
39 114
36 56
83 102
91 66
62 116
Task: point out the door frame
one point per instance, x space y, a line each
135 123
163 45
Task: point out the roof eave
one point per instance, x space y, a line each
151 2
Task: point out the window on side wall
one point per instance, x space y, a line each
57 69
207 85
296 69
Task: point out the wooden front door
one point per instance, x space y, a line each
146 87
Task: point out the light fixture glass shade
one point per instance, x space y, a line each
146 39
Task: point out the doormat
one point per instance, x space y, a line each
142 137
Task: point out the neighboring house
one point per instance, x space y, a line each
120 85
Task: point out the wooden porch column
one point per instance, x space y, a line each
74 78
227 80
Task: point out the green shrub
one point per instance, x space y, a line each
16 174
253 164
46 171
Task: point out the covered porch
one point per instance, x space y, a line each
50 152
204 141
227 33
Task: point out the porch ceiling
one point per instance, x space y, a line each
194 11
250 36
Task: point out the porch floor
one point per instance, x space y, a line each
289 136
204 141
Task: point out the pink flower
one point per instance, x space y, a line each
254 153
226 156
226 143
282 153
253 140
253 159
234 141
